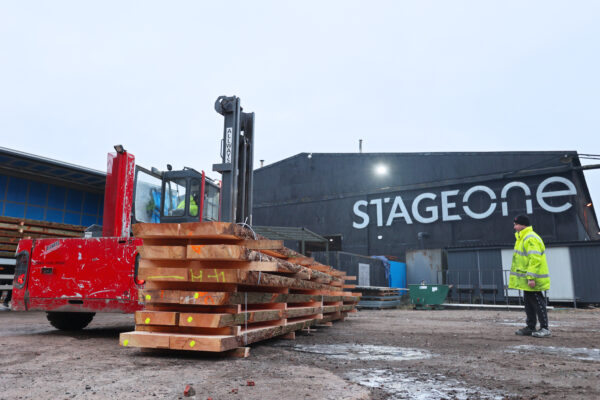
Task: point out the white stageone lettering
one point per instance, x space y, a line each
449 208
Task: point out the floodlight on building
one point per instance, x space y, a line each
381 169
119 148
565 159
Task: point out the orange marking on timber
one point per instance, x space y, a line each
162 294
197 248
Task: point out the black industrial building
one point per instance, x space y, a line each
388 203
447 215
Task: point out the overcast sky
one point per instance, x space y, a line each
77 77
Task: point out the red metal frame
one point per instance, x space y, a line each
118 195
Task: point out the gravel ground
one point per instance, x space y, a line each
392 354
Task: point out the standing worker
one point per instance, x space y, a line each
529 273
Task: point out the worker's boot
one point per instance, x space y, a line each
542 333
527 331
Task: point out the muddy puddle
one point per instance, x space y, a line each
364 352
402 385
579 353
521 323
398 384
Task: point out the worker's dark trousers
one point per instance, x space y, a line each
535 306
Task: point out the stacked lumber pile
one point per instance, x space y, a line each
214 286
14 229
380 297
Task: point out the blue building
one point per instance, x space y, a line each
38 188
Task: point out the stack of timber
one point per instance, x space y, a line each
14 229
379 297
214 286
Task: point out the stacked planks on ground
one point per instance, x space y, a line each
213 286
380 297
14 229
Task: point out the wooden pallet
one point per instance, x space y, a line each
380 297
215 287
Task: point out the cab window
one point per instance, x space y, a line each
147 197
211 203
174 197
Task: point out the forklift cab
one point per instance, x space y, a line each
174 196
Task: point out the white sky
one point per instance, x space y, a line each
405 76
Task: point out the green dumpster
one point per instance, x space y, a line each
428 296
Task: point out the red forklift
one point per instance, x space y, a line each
74 278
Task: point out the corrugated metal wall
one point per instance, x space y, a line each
585 263
350 262
425 266
475 273
476 269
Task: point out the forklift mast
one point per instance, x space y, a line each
237 147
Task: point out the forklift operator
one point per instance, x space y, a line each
193 205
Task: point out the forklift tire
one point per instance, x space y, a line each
69 321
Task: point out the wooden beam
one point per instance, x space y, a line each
240 352
27 223
288 336
266 266
156 318
162 252
228 330
302 312
261 244
233 276
144 339
192 230
258 279
223 252
222 320
305 261
322 268
221 298
212 343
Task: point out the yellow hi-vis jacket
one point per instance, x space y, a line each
529 262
